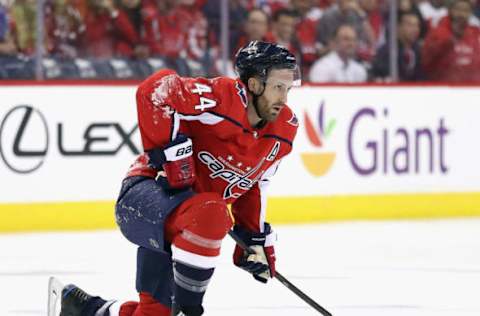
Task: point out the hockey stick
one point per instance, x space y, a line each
284 280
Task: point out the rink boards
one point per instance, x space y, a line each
360 153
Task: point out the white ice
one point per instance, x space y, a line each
408 268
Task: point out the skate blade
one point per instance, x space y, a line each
55 288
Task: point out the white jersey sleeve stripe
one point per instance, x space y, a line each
176 125
204 118
262 186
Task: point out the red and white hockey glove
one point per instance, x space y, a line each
261 264
176 161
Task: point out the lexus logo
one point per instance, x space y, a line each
24 139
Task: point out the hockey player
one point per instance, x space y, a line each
207 143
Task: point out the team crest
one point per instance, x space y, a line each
293 120
241 93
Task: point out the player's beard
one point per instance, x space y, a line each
270 112
266 112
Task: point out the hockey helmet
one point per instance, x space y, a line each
258 58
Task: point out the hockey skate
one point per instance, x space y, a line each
70 300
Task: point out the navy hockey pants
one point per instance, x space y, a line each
141 211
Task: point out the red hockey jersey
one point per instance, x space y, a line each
231 158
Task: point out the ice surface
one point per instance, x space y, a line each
408 268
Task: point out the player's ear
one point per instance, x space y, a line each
254 85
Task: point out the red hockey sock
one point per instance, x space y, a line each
128 308
148 306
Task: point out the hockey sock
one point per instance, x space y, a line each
190 284
146 307
127 309
196 230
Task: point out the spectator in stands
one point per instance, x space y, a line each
410 6
165 35
346 12
24 14
255 28
409 62
339 65
202 50
308 16
7 45
452 50
375 19
270 6
109 32
434 10
476 8
65 29
283 30
238 12
134 9
179 31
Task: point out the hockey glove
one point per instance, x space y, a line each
176 161
261 264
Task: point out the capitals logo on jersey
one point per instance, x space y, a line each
242 93
234 177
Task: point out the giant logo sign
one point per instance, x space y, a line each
25 134
375 145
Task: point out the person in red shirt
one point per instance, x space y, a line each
165 32
109 31
306 33
202 45
207 143
177 30
64 28
375 17
451 51
135 11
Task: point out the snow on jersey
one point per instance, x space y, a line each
231 158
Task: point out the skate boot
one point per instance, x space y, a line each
196 310
76 302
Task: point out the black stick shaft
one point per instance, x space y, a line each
284 280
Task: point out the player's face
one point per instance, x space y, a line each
273 99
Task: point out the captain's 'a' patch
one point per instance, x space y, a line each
273 153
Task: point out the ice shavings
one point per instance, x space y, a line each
166 87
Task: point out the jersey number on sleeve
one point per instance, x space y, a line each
205 103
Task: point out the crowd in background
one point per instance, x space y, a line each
334 40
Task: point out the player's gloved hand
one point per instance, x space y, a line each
261 264
176 161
